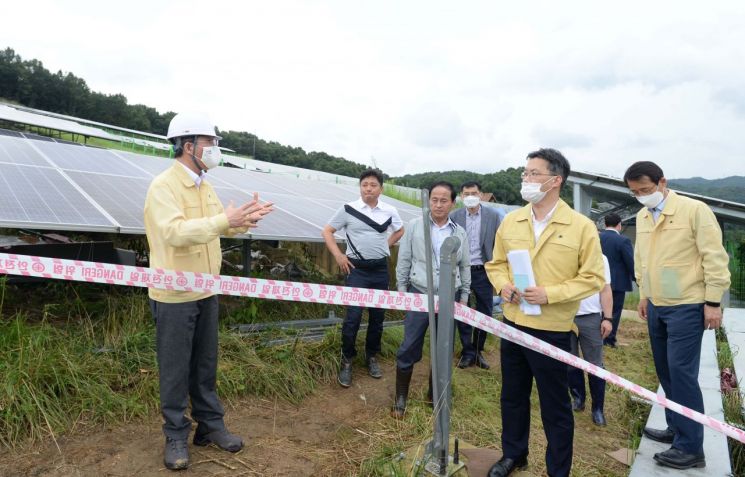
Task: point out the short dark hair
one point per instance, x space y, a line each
641 169
557 163
612 219
178 144
372 173
446 185
468 184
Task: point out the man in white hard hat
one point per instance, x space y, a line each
183 222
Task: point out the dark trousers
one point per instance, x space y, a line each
618 299
415 328
675 333
519 366
186 344
472 339
364 278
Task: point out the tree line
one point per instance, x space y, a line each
29 83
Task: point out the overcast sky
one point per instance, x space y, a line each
424 85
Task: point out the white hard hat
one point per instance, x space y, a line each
191 124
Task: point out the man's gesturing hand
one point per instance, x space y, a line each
248 214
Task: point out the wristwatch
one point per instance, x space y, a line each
714 304
606 318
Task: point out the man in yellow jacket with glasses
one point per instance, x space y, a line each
183 222
682 271
566 259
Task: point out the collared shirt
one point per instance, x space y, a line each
370 243
540 225
196 178
438 235
592 304
614 230
473 230
656 211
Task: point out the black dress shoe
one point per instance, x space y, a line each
465 362
481 362
598 418
678 459
505 466
660 435
578 404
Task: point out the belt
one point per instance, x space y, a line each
477 267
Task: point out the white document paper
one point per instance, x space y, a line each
522 271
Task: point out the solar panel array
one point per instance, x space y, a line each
56 186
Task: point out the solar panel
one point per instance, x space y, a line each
88 159
8 132
122 197
20 151
240 179
49 185
279 225
152 165
40 197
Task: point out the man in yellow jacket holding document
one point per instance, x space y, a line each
566 259
681 268
183 222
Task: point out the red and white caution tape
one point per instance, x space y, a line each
95 272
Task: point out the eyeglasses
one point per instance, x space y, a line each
212 141
643 191
533 174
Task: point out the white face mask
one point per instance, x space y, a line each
531 191
652 200
471 201
211 156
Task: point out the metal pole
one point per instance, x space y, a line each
246 257
445 333
430 296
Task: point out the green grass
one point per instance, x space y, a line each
732 403
476 419
86 353
82 354
410 197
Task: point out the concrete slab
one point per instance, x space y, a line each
715 444
734 320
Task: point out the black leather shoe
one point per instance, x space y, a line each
678 459
465 362
176 454
660 435
598 418
373 368
481 362
505 466
345 372
578 404
222 439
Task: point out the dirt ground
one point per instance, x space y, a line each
329 434
323 436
